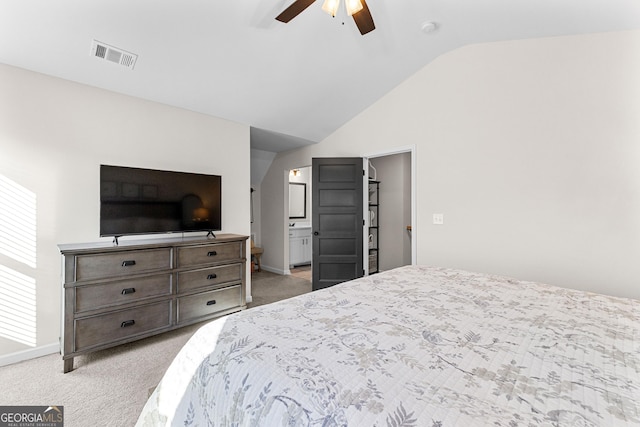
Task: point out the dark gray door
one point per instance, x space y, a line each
336 220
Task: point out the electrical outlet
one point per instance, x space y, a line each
438 219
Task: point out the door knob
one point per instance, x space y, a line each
315 233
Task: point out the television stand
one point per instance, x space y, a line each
211 234
118 294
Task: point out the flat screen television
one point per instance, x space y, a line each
143 201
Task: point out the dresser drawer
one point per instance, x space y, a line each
123 263
205 277
120 325
96 296
190 256
207 303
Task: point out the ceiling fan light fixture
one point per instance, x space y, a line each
331 7
353 6
358 10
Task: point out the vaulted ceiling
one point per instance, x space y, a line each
293 83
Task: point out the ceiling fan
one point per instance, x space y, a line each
358 9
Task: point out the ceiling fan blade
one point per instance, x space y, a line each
364 20
294 10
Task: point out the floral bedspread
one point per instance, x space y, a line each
415 346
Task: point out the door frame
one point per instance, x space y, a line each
411 149
287 270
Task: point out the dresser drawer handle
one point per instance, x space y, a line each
127 323
128 263
211 302
212 276
128 291
212 253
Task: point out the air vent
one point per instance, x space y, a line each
113 54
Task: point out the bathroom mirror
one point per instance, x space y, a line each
297 200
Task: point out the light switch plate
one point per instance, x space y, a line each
438 219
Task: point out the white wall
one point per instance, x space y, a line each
530 150
259 165
54 134
406 214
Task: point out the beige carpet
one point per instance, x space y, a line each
110 387
302 272
268 287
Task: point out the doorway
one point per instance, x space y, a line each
299 222
390 240
396 170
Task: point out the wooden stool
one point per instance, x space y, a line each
256 252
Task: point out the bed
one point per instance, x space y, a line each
414 346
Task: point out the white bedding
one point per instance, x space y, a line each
415 346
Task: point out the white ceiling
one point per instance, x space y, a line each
293 83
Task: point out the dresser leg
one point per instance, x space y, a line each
68 365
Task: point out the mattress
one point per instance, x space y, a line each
414 346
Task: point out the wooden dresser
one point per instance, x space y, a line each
113 294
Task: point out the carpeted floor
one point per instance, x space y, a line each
110 387
269 287
302 272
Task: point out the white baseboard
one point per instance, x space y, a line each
32 353
276 270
